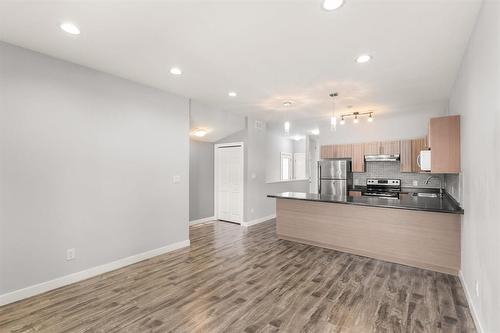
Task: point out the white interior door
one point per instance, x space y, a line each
229 183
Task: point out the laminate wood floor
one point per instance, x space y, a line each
235 279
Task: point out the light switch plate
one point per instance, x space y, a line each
176 179
415 183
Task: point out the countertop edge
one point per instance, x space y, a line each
457 212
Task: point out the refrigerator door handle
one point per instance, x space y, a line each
319 178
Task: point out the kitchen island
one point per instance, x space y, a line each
416 231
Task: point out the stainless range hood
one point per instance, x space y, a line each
382 158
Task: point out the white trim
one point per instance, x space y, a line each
203 220
36 289
229 144
468 295
259 220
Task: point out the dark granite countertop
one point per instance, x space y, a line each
406 201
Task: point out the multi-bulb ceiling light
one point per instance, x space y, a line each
356 116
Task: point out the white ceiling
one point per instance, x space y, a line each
267 51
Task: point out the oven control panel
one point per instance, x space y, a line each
387 182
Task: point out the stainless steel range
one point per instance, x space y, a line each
387 188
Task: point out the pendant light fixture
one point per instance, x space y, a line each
287 128
333 119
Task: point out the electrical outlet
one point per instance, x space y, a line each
415 183
477 288
356 181
176 179
70 254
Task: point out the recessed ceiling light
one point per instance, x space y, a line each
288 103
232 94
363 58
199 132
332 4
315 131
175 71
70 28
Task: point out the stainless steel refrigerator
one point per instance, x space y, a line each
335 177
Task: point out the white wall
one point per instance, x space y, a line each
404 123
87 161
219 124
407 123
476 98
201 180
257 204
275 145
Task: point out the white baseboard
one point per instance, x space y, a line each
259 220
468 295
20 294
203 220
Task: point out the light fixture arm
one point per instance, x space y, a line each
357 114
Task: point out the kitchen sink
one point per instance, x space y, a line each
426 195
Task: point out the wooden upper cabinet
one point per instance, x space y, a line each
343 151
417 145
390 147
405 156
444 142
325 152
410 149
336 151
358 158
371 148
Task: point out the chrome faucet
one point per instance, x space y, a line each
440 184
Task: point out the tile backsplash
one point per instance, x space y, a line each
454 186
391 170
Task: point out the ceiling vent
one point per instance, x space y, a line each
260 125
